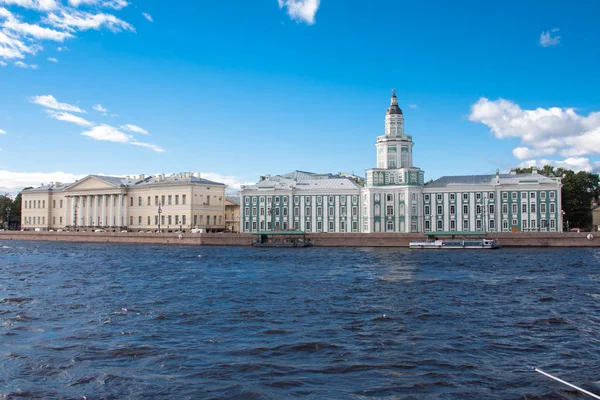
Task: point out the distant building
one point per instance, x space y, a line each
394 198
178 201
232 214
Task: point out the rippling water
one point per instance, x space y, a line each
158 322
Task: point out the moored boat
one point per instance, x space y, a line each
455 244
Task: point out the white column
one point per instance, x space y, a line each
125 208
88 209
103 220
111 210
120 210
95 210
66 205
73 204
80 212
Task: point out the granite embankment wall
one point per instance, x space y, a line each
571 239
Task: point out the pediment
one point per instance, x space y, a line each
91 183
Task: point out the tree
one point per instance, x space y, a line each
579 189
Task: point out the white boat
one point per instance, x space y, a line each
455 244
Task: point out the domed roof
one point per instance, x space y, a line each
393 109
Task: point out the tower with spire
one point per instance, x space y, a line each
393 189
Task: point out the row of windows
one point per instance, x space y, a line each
491 208
179 220
533 225
490 196
284 211
307 199
390 197
38 204
389 210
296 226
164 200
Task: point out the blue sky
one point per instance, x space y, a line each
239 89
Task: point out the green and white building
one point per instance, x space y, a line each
394 197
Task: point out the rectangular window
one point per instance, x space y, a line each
253 211
61 203
331 211
307 211
53 220
354 211
532 195
439 210
139 201
389 210
296 211
343 200
354 226
319 210
162 219
162 201
491 196
354 200
452 209
524 224
131 202
515 222
452 197
514 195
543 224
140 220
277 210
426 210
307 226
343 210
296 200
269 200
247 225
296 225
307 200
465 196
465 209
427 225
262 211
390 197
452 225
523 195
247 211
131 220
439 197
148 220
176 199
440 225
552 208
319 200
533 224
478 209
492 209
276 199
504 195
331 226
247 200
505 225
478 196
504 208
523 208
285 200
552 223
514 209
53 203
60 220
195 220
552 194
426 197
254 226
478 225
542 195
532 207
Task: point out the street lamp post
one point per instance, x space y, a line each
159 212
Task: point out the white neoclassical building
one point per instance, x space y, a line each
176 201
394 197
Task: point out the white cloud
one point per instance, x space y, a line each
572 163
547 40
21 64
116 4
134 128
72 20
35 31
107 133
413 106
40 5
11 47
67 117
543 132
50 102
148 17
233 182
52 59
3 64
2 132
99 108
13 182
154 147
301 10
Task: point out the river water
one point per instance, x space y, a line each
100 321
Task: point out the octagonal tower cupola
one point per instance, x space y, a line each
394 120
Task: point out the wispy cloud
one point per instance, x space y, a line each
148 17
2 132
301 10
134 128
13 182
67 117
111 134
547 39
413 106
23 65
99 108
52 59
49 101
22 35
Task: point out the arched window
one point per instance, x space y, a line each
390 226
404 161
